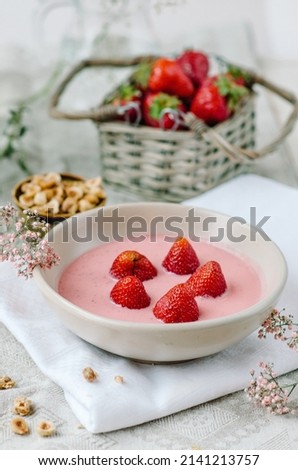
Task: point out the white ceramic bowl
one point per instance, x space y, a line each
160 342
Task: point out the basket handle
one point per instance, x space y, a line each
101 113
242 154
108 112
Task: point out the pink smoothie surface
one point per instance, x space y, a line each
86 282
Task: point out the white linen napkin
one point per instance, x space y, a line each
148 391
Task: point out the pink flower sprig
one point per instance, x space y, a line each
22 241
282 327
265 390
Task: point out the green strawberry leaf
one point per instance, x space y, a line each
237 72
141 75
231 91
162 101
125 92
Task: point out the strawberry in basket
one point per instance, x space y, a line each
163 75
129 98
239 76
163 111
195 65
217 99
167 76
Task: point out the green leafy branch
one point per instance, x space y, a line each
12 135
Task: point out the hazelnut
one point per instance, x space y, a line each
6 382
89 374
22 406
46 428
19 426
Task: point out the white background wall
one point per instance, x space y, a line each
273 23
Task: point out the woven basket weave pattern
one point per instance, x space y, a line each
172 165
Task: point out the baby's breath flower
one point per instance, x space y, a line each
265 390
22 243
281 326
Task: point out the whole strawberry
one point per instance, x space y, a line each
241 77
133 263
207 280
129 98
129 292
163 111
181 258
176 306
217 99
195 65
168 77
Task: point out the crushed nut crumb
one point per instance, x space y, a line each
6 382
19 426
119 379
46 428
22 406
89 374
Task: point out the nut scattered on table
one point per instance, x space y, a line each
22 406
19 426
46 428
89 374
119 379
6 382
55 194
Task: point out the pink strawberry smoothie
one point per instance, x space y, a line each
86 282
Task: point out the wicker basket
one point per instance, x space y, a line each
174 165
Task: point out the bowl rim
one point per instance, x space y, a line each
156 327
